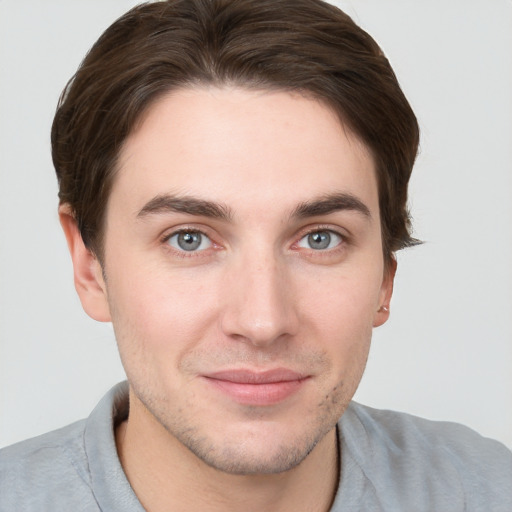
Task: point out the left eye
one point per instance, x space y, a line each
320 240
189 241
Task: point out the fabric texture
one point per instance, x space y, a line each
389 462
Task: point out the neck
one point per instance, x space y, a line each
165 475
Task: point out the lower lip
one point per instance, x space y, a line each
258 394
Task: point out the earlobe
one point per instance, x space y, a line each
382 314
88 276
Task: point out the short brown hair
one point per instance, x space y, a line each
305 46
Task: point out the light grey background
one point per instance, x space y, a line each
446 353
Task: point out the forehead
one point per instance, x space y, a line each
249 149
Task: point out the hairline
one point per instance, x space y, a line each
97 244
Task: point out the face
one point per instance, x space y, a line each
243 272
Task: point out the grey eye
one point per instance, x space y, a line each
189 241
320 240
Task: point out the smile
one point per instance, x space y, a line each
257 388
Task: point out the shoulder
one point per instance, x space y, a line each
55 451
73 468
49 465
429 459
407 433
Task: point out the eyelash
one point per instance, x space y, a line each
316 229
344 240
185 254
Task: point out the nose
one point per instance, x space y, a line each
260 306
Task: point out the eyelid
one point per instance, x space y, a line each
323 227
164 241
202 239
303 232
186 229
333 237
336 230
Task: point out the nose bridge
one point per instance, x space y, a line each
260 308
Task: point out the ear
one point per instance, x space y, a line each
386 291
88 275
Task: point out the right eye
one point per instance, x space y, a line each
189 241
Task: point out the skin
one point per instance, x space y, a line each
251 171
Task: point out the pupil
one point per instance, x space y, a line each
320 240
189 241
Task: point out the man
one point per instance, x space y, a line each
233 183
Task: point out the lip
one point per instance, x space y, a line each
249 387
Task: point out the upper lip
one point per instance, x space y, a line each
246 376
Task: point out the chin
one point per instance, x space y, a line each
261 459
257 449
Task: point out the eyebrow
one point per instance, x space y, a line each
331 203
324 205
185 204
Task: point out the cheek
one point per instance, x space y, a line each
344 301
161 309
340 311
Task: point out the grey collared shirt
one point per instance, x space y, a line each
389 462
